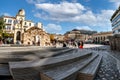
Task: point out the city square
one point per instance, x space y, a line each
59 40
17 63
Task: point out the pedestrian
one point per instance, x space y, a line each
78 44
64 44
81 45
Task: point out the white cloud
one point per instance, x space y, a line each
75 13
64 8
103 19
116 2
35 1
87 18
83 28
72 12
64 11
53 28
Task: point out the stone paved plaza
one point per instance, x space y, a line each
109 68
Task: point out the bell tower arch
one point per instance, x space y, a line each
19 25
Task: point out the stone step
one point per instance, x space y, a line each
89 72
27 56
4 70
66 72
8 50
11 58
38 52
29 70
5 58
52 54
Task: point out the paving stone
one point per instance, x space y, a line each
108 69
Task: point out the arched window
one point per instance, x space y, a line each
104 37
101 38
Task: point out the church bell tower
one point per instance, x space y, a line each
19 25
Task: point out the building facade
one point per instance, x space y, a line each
35 35
59 37
115 20
115 39
78 35
22 29
101 37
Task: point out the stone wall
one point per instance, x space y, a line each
115 42
29 37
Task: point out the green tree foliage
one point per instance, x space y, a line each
51 37
3 33
2 26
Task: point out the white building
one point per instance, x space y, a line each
18 25
115 20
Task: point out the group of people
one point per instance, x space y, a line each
79 44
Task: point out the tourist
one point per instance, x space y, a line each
78 44
81 45
64 44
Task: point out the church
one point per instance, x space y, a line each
25 31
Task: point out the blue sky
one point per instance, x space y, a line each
59 16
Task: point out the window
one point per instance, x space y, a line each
15 21
101 38
25 23
13 28
116 25
5 20
42 26
104 37
9 21
29 24
116 19
8 27
113 32
118 30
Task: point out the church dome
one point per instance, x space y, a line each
21 12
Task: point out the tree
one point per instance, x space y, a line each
2 26
52 37
6 35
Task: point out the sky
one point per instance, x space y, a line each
59 16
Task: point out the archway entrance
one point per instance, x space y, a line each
18 37
37 38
